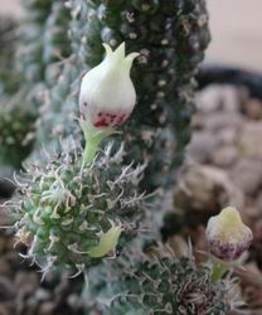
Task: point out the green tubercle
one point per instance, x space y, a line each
107 243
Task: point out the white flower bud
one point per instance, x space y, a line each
228 237
107 94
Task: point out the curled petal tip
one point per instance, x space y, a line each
129 60
121 50
132 56
108 49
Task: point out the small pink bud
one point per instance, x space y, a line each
228 237
107 94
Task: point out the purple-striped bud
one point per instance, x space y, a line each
228 237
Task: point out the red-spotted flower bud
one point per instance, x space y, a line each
228 237
107 94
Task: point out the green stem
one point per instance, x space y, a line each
91 148
218 271
93 138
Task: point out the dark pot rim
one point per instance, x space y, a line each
222 74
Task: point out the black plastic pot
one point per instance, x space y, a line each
219 74
7 186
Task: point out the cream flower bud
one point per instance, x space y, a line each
107 94
227 235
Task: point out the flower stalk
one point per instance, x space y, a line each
93 138
219 269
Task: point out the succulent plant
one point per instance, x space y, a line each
152 285
17 132
74 209
16 120
40 42
74 216
43 38
58 106
8 37
29 55
43 44
56 45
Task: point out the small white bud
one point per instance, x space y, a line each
228 237
107 94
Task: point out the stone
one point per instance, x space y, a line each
222 120
202 146
252 109
225 156
205 189
249 142
247 175
47 308
7 289
220 98
26 281
4 310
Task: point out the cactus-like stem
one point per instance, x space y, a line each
40 41
43 38
137 284
72 216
